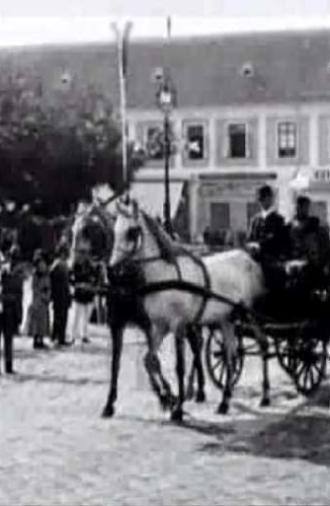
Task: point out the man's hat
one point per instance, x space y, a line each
303 200
264 192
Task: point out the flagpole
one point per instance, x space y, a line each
122 39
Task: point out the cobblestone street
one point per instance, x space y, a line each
56 450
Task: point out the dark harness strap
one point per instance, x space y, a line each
207 287
187 286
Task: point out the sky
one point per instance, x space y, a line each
25 22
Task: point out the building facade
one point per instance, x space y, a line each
226 153
250 109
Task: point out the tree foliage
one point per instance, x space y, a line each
54 148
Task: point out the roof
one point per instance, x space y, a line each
206 71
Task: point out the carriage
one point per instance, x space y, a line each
298 339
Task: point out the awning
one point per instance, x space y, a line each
151 194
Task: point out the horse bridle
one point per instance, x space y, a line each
137 238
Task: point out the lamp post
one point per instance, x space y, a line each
165 100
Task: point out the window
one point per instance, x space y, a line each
237 140
154 143
195 146
287 139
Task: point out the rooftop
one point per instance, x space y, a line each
207 71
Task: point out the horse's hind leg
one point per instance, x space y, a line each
264 347
196 345
157 381
153 367
117 345
265 399
230 351
177 413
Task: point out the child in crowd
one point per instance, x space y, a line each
41 292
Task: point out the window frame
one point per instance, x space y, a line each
195 122
278 126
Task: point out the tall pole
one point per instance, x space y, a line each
167 147
122 41
167 154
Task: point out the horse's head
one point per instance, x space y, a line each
127 231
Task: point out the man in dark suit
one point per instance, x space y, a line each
11 300
267 235
267 240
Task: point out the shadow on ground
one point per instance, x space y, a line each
300 434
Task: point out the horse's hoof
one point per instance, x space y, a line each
222 409
200 397
177 415
264 402
108 411
168 401
189 394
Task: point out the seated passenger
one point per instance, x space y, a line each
309 242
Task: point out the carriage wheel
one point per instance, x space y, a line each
215 358
310 364
286 353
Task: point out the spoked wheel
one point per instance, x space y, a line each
215 357
310 364
286 353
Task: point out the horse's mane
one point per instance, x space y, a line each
168 249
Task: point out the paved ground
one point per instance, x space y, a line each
56 450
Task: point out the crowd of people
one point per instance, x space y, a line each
56 286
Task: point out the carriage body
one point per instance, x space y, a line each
298 332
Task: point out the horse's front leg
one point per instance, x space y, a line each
230 352
117 331
177 413
196 344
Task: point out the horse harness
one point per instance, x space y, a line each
175 284
204 292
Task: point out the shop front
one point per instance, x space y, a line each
227 202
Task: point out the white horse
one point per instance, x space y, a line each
233 274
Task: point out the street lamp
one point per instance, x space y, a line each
166 101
